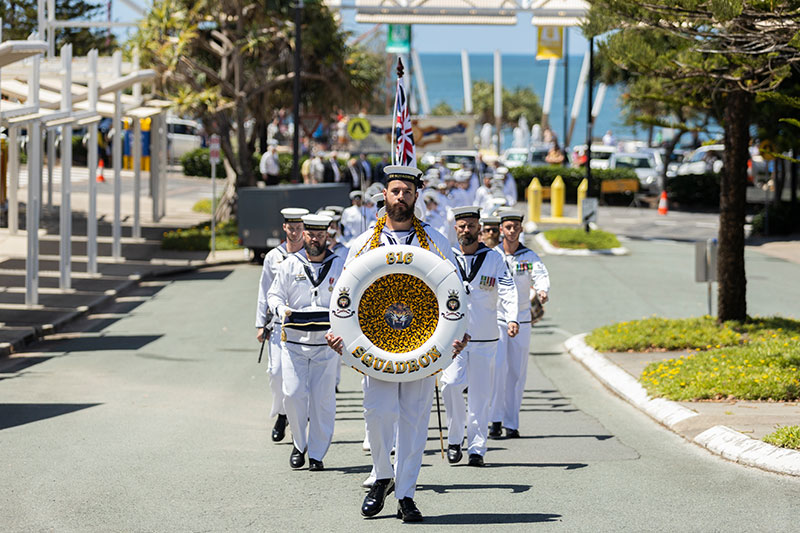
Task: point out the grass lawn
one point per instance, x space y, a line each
754 360
577 238
785 437
198 238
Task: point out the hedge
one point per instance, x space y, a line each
694 189
572 178
784 218
197 163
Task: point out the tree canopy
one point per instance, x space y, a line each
518 102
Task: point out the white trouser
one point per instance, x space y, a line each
408 405
507 395
497 403
309 381
473 368
274 370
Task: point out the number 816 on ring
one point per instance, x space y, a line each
399 258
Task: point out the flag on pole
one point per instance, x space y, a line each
404 151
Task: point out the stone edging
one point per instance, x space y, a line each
720 440
552 250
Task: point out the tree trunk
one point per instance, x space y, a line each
732 300
669 149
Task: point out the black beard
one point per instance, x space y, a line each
467 239
399 212
313 250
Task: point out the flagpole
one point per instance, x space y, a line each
395 110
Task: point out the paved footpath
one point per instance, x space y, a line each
151 415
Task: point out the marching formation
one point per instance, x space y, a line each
503 280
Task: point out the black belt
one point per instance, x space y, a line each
491 340
304 343
308 321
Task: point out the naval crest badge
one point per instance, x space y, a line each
343 303
453 304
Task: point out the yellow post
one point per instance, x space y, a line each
583 188
534 196
557 198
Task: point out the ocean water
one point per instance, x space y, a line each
443 78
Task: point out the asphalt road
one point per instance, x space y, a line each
152 416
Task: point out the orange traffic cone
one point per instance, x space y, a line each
100 166
662 203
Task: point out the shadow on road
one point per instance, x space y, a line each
18 414
492 518
443 489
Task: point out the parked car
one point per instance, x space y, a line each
703 160
644 164
454 158
514 157
182 136
537 154
601 153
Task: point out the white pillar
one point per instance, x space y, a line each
162 193
155 164
32 213
51 161
51 31
13 180
91 161
498 97
598 100
137 176
578 101
467 80
116 161
548 92
423 90
65 228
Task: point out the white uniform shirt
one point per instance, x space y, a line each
529 275
294 288
340 249
483 198
510 190
272 261
353 222
490 292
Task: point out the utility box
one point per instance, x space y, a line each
705 261
259 209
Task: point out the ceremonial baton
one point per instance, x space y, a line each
439 415
263 342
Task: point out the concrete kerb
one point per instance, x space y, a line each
552 250
719 439
38 332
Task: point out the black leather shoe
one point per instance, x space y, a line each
279 429
512 434
475 459
453 453
496 430
315 466
376 496
297 459
407 510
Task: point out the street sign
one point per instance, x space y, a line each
589 208
398 39
358 128
766 149
549 43
213 149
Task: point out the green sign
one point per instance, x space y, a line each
398 39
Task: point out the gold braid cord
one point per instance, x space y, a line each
422 237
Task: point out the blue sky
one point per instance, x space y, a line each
519 39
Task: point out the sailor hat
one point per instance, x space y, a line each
331 214
397 172
490 221
335 208
316 222
510 214
356 194
433 172
471 211
461 177
497 202
293 214
432 196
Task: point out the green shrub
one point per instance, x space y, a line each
694 189
197 163
785 437
578 238
783 219
198 238
572 178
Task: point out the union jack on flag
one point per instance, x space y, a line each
404 152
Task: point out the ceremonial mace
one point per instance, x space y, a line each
261 351
439 415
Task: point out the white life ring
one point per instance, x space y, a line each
398 309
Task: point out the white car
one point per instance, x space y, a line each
182 136
514 157
644 164
454 158
601 154
703 160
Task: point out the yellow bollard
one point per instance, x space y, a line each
557 198
583 188
533 195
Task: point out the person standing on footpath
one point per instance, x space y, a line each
300 295
265 319
406 405
490 290
531 280
269 166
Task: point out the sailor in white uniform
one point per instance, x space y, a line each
406 404
300 295
265 321
511 366
353 221
490 290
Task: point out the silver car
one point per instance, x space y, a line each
644 164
